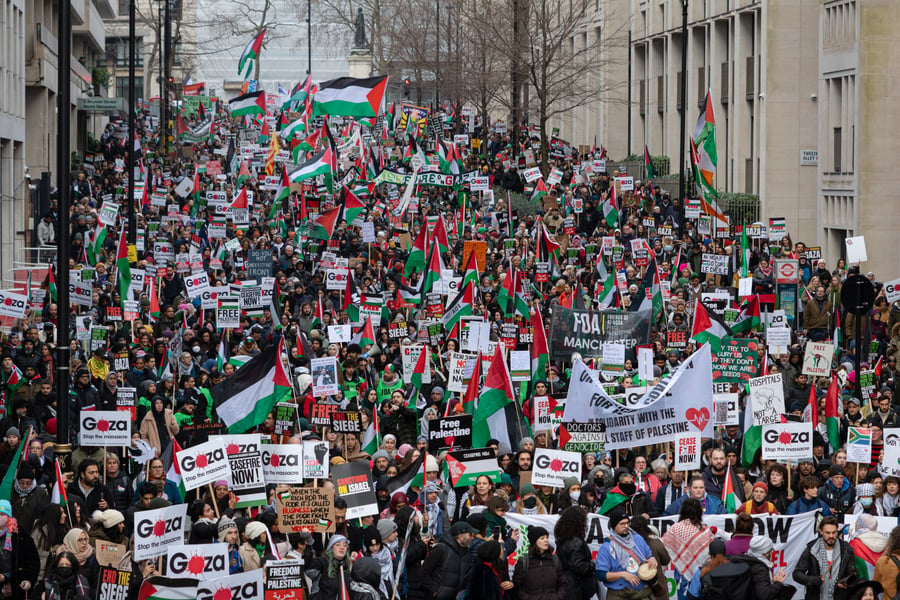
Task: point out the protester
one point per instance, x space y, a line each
827 564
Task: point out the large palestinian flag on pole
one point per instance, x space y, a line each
350 97
245 399
250 54
320 164
253 103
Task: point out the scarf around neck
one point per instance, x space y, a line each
830 573
620 546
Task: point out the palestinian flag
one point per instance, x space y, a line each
97 238
708 327
546 246
6 486
250 55
729 498
749 318
51 283
243 174
15 379
320 164
416 259
433 270
612 500
470 398
154 301
252 103
170 459
512 297
58 495
352 206
611 208
811 411
704 139
540 354
411 476
836 336
123 269
245 399
446 158
752 435
419 373
460 306
371 438
648 166
470 272
350 97
440 235
413 149
367 337
649 295
865 558
604 297
833 413
168 588
296 128
284 191
498 415
540 190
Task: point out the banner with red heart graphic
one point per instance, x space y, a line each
678 405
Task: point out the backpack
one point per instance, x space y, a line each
896 564
729 581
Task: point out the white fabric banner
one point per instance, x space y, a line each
790 535
677 405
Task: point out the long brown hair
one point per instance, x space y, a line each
893 543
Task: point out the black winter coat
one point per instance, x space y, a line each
808 573
575 556
21 564
415 555
484 583
539 577
446 570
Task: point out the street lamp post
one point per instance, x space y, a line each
683 100
132 52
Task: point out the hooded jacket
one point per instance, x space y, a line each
446 569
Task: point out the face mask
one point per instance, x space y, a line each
575 495
195 349
628 488
669 248
867 502
64 572
529 502
598 483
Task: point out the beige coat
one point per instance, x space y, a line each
151 435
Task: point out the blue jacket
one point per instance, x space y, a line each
711 506
607 563
840 501
802 505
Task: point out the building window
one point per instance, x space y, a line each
122 87
837 149
176 55
120 47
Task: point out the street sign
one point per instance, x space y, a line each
787 271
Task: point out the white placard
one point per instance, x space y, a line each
324 374
155 531
787 441
745 286
137 279
368 232
767 395
316 460
778 337
645 364
185 187
243 586
687 452
520 362
340 333
532 174
892 290
409 357
478 337
14 305
817 359
856 250
198 561
196 283
336 279
551 467
108 213
100 428
460 369
859 445
613 359
725 409
282 463
890 456
203 463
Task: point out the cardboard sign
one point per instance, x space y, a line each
315 460
282 463
200 561
203 464
859 445
480 250
240 586
101 428
817 359
246 480
551 467
284 580
353 482
787 441
109 554
155 531
306 509
767 395
687 452
449 432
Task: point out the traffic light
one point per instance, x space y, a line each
406 88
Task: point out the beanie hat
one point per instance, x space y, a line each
371 536
526 489
431 465
337 539
717 547
568 482
616 516
835 470
109 518
380 454
225 525
534 533
386 527
762 485
255 529
760 545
